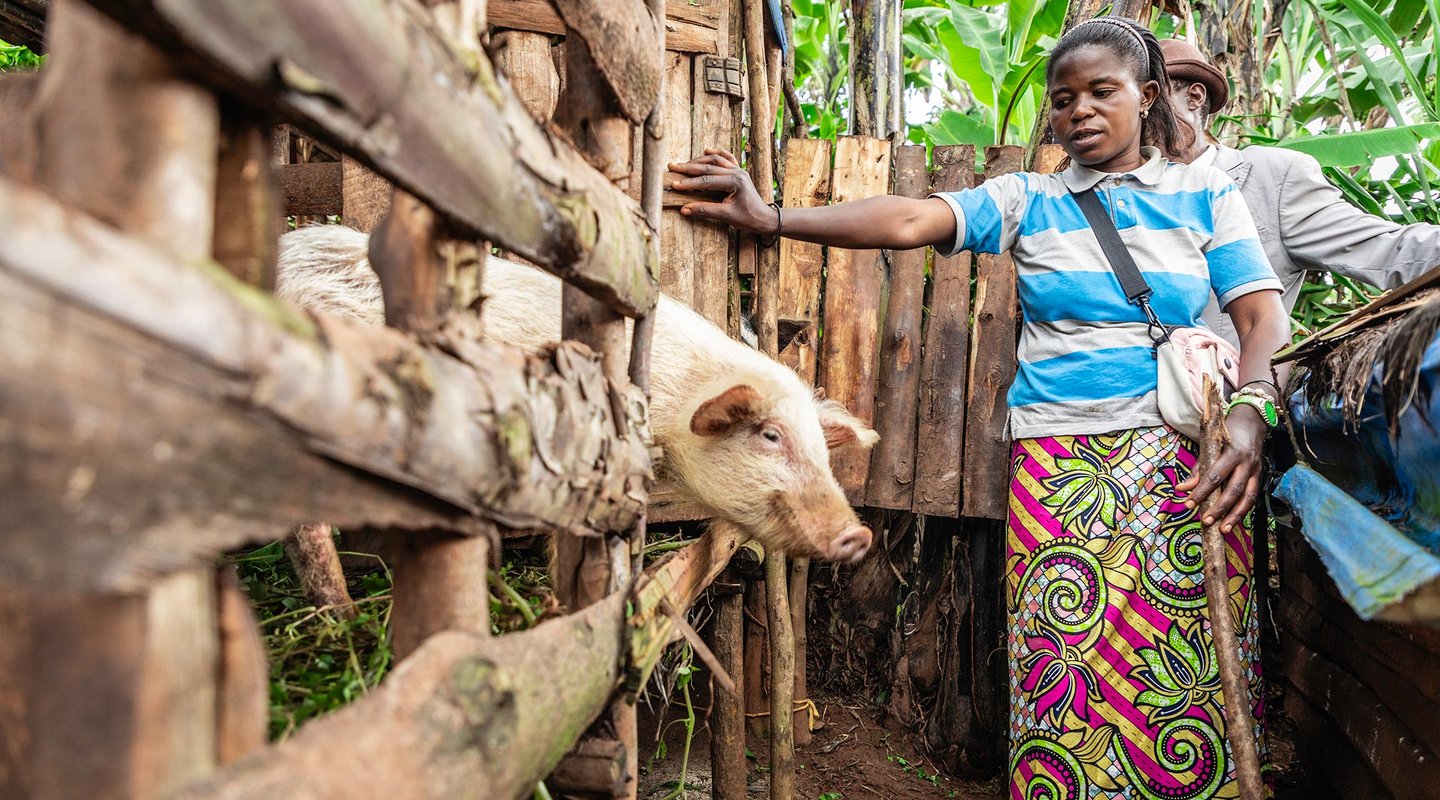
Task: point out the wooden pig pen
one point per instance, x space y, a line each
160 408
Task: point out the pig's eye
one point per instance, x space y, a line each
771 434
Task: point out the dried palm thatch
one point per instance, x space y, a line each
1392 333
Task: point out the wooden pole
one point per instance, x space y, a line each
117 694
590 113
727 717
767 293
782 677
799 603
1239 722
762 170
440 579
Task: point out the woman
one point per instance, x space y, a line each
1114 688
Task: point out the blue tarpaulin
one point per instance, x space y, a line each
1370 504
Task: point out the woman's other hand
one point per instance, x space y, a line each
1235 474
717 172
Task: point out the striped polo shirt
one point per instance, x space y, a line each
1086 364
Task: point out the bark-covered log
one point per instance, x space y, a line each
677 581
156 412
247 199
727 712
471 716
891 480
464 716
690 26
944 370
625 41
380 81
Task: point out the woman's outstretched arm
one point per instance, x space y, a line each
887 221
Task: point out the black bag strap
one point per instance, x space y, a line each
1136 289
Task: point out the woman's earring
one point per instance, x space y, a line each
1144 113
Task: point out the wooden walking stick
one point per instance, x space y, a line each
1239 723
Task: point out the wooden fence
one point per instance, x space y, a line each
160 407
158 410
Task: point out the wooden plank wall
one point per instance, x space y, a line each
854 285
940 408
1364 696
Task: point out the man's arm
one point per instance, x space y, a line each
1320 230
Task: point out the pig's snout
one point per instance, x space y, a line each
851 545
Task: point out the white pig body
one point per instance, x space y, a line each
740 433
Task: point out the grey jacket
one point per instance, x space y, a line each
1305 224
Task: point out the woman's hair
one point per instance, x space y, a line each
1138 46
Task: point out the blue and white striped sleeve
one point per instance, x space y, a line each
987 217
1236 260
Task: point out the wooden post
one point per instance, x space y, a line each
799 605
806 184
992 368
679 260
527 60
727 717
243 685
892 461
713 124
316 561
782 677
854 285
117 694
1239 722
590 569
943 372
440 579
247 214
875 69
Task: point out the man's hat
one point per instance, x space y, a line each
1184 63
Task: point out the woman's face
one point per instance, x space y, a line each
1095 108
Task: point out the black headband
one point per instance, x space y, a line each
1144 51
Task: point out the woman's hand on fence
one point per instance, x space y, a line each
719 172
1237 470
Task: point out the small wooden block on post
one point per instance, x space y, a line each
992 368
712 125
944 369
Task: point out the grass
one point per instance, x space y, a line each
17 58
320 660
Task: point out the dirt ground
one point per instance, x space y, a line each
854 757
850 757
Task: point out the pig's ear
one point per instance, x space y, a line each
720 414
843 429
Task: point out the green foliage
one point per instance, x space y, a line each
683 673
1356 85
14 57
980 62
319 660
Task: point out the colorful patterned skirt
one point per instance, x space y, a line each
1114 687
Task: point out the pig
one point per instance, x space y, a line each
739 433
